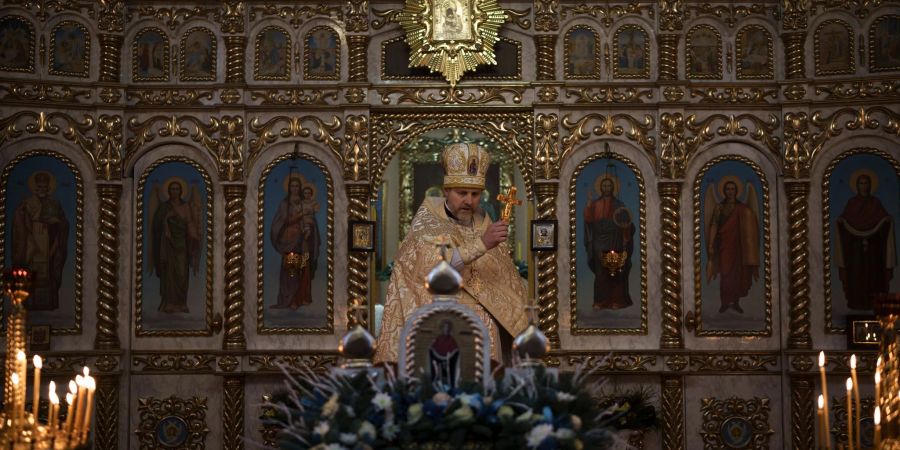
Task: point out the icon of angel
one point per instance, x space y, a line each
731 220
175 247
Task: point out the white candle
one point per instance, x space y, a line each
70 400
51 392
91 386
877 387
825 396
79 406
36 397
14 378
820 421
849 414
855 400
70 414
54 407
877 418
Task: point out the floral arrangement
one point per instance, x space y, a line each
541 411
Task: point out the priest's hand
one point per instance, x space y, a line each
495 234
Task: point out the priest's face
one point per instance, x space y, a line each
462 202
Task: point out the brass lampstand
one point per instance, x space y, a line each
614 261
887 308
295 262
19 428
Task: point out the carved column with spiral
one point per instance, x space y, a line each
235 52
235 338
668 56
358 69
546 56
795 63
233 413
105 430
358 262
110 57
547 280
798 244
672 407
107 337
670 196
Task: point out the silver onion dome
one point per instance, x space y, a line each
357 348
443 280
530 346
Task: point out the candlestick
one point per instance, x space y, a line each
855 399
70 400
91 385
877 419
820 422
36 398
849 413
54 407
79 407
825 396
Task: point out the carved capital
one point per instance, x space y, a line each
672 153
231 16
357 16
546 15
108 150
671 15
112 15
795 13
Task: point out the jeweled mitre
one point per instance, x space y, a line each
465 166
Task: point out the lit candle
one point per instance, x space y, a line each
54 407
820 421
825 396
21 369
91 385
71 401
855 399
14 378
849 414
877 387
877 419
79 406
36 398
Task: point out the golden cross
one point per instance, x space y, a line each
508 201
444 242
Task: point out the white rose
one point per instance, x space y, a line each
321 428
367 431
382 401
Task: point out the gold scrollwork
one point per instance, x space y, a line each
442 50
677 363
795 14
767 251
733 125
329 239
672 14
860 90
385 16
174 362
63 364
108 152
732 14
636 131
520 17
293 127
546 16
356 148
43 92
112 15
674 151
749 415
45 122
546 132
861 118
139 254
191 413
297 15
642 214
609 14
167 97
357 16
171 17
231 17
315 362
452 96
616 362
79 228
826 219
610 94
295 96
733 363
858 7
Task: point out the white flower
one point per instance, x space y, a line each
321 428
564 434
468 400
390 430
463 413
564 396
505 412
414 413
331 406
538 434
367 431
348 438
382 401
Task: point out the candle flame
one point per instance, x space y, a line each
20 356
52 387
79 380
822 359
54 398
877 377
821 401
877 415
86 371
853 361
73 388
90 383
14 378
69 398
849 384
878 363
38 363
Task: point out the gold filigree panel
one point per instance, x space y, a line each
451 96
735 423
282 127
296 15
634 129
608 14
174 422
42 92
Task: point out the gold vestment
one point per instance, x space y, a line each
492 286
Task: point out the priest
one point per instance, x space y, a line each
492 286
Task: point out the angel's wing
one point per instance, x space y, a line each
154 233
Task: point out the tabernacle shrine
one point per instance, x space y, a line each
453 224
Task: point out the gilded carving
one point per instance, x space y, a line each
174 362
357 59
859 7
108 267
110 95
357 16
633 129
615 362
547 279
293 127
670 203
798 242
732 14
547 94
668 60
794 55
674 149
235 55
235 209
608 14
53 123
315 362
107 363
355 95
63 364
860 90
673 93
520 17
795 13
357 262
297 15
112 15
733 363
546 133
188 415
108 153
356 148
794 92
231 17
44 9
672 14
801 363
672 413
802 391
733 125
546 56
106 428
295 96
546 15
110 56
171 17
677 362
230 96
233 413
168 97
228 363
385 17
736 423
610 94
452 96
43 92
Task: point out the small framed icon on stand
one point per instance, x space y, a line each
39 337
362 236
543 235
863 332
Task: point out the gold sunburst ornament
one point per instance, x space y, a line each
451 36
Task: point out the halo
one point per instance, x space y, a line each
734 179
860 172
175 179
32 184
599 180
304 183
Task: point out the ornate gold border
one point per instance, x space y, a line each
717 411
260 232
872 67
134 58
478 328
87 50
151 410
79 228
850 43
288 62
214 55
517 77
595 75
767 250
31 42
642 330
826 223
139 330
337 55
770 54
688 53
647 57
